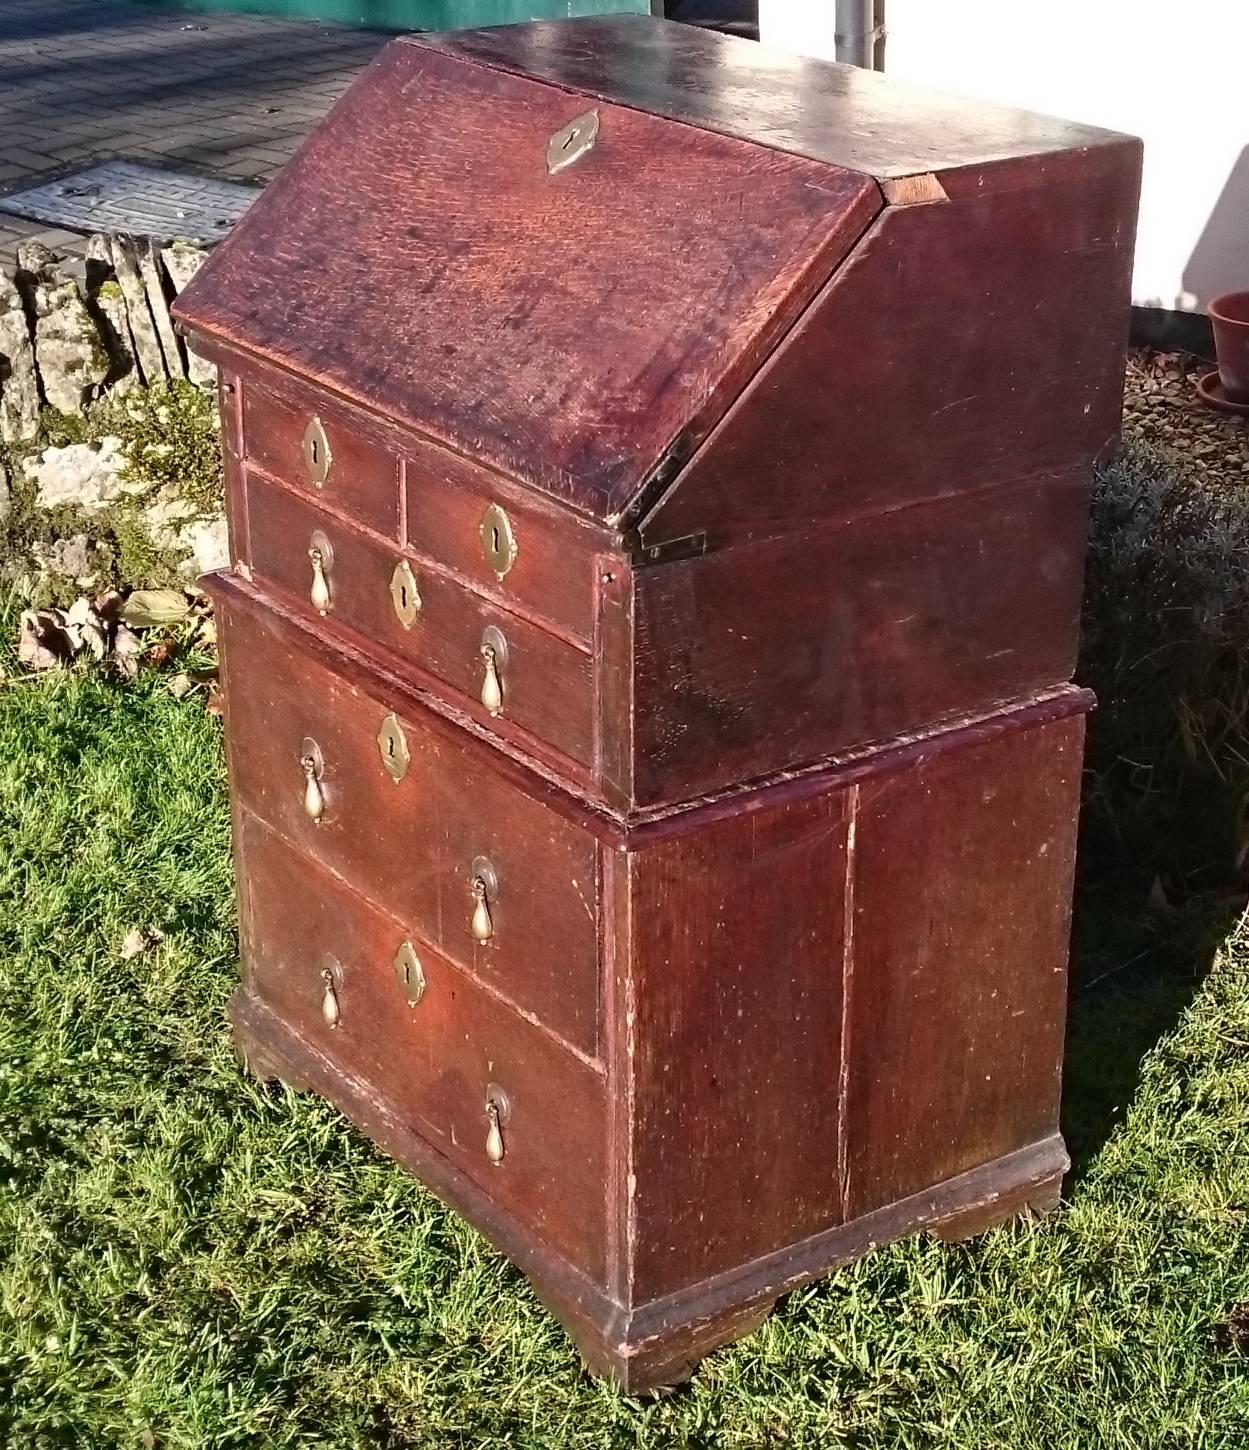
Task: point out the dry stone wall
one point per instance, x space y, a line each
70 333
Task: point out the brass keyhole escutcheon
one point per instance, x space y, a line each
392 743
494 663
571 142
410 973
497 540
498 1111
321 557
331 1013
317 456
404 594
313 766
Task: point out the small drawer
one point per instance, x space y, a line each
529 555
497 881
300 440
501 1100
529 678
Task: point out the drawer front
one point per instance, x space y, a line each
522 554
439 846
298 438
430 1044
544 684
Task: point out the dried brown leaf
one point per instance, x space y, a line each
146 608
43 642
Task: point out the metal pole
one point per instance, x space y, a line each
857 32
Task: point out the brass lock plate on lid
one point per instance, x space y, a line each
316 449
571 142
392 743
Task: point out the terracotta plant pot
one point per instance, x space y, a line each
1229 315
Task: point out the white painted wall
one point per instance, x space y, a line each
1177 75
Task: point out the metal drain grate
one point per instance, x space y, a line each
126 196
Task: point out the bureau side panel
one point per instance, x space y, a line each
732 1022
956 1005
975 336
771 655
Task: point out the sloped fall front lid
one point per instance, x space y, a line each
570 326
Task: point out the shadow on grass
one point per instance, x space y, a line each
1134 971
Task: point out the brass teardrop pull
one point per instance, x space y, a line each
320 591
491 689
494 657
494 1138
314 800
497 1111
329 1002
483 927
312 764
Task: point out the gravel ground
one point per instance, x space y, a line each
1161 406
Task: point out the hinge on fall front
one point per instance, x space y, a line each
688 547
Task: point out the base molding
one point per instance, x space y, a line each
658 1343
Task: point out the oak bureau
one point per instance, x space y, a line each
658 474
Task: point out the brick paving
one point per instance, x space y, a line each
232 95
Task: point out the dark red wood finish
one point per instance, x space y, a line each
363 479
547 681
734 978
958 987
838 114
411 844
759 657
372 267
789 387
431 1063
760 990
973 341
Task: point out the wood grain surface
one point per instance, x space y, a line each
839 114
430 1063
758 658
417 258
969 342
734 986
962 909
410 845
548 682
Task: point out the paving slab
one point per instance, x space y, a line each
227 94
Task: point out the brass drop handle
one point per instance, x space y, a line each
312 765
483 927
494 657
320 591
498 1109
329 1002
314 801
491 688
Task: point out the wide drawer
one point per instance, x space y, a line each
295 436
447 1058
542 685
417 820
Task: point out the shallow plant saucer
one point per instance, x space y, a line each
1211 392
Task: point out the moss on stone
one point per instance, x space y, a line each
171 438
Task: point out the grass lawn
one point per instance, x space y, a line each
188 1259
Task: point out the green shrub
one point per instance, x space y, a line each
1166 647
